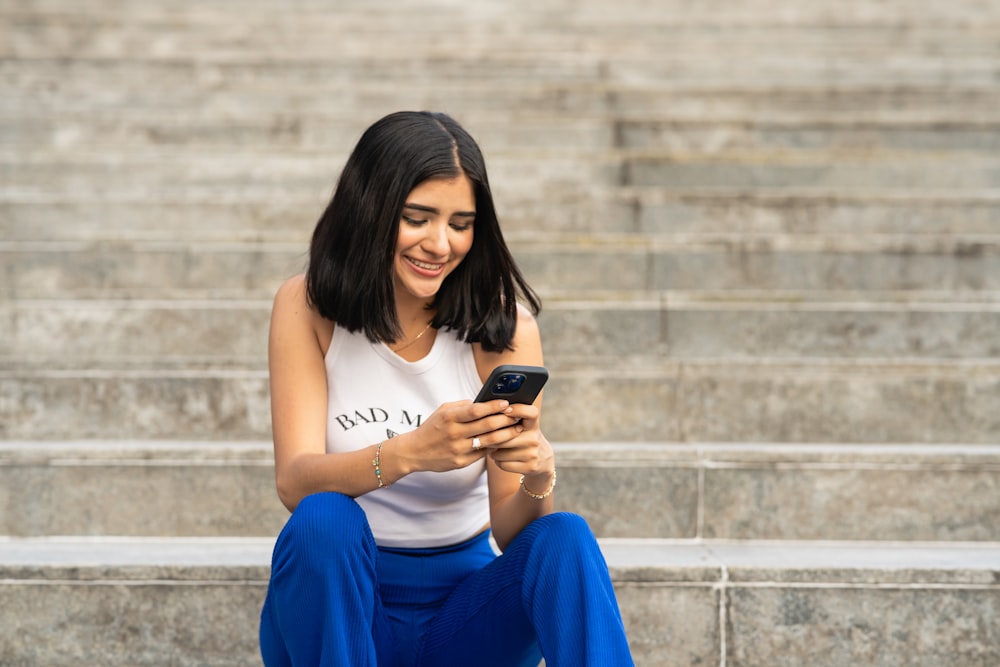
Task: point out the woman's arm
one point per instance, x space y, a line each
523 448
299 405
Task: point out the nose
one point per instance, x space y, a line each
436 240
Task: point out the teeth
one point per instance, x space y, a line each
424 265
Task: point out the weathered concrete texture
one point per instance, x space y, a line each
909 213
131 602
786 491
327 132
117 601
154 269
813 33
686 631
668 490
902 492
764 173
185 492
631 500
100 220
560 263
650 329
737 401
130 332
309 80
889 627
642 330
891 501
866 137
780 402
177 175
130 404
130 622
569 208
898 264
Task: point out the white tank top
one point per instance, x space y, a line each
375 394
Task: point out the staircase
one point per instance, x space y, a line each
767 235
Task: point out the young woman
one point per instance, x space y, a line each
395 479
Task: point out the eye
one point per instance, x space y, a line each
413 221
461 226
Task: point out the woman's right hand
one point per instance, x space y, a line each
443 441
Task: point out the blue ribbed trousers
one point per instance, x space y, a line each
335 599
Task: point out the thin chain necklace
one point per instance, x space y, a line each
399 349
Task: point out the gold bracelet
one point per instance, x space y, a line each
540 496
377 464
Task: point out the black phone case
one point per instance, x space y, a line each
534 379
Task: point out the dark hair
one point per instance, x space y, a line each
350 278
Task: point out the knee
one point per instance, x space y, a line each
327 524
561 530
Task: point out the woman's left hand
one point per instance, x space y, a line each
521 448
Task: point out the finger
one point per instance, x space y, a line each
522 411
476 411
507 460
504 438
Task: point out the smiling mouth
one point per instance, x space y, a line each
426 266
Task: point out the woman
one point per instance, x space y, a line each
395 479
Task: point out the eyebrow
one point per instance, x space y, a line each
431 209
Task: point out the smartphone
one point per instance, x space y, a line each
517 384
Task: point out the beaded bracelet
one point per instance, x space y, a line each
540 496
377 464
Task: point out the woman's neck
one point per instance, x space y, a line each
413 315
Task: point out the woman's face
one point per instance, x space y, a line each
435 235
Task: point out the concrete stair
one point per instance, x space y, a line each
766 236
703 491
189 601
162 550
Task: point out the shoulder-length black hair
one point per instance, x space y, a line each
350 278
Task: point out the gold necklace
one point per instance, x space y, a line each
398 349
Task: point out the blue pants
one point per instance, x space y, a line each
336 599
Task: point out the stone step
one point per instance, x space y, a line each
306 37
530 173
117 601
660 210
651 59
140 488
652 63
633 328
686 327
716 400
589 13
49 88
568 264
791 263
210 32
793 491
288 218
841 136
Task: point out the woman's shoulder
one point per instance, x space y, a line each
292 308
525 347
526 333
525 316
292 289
